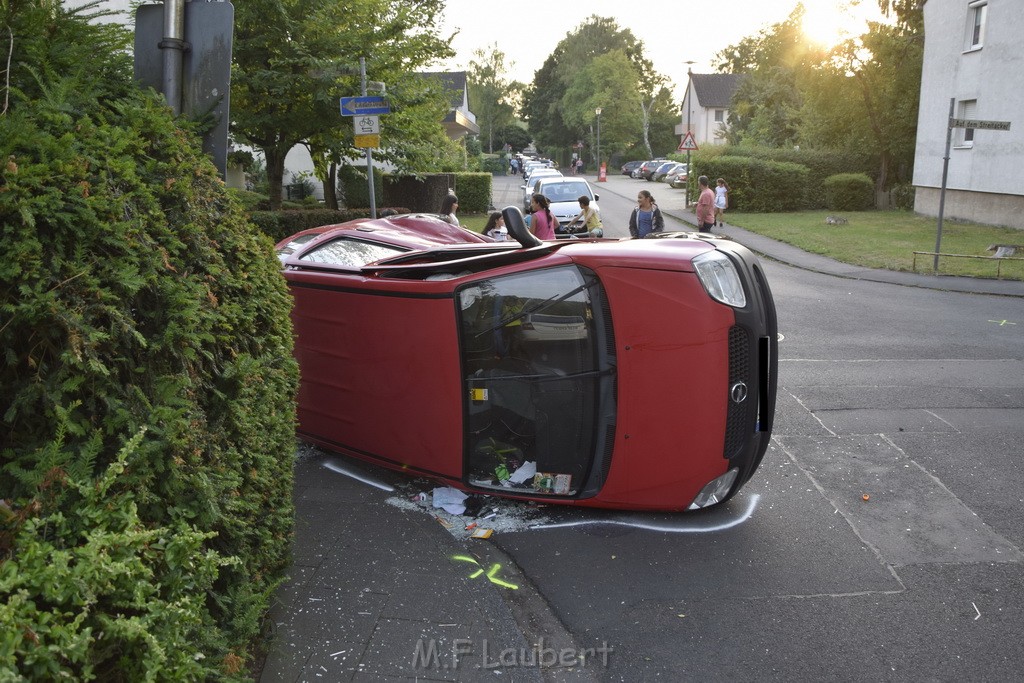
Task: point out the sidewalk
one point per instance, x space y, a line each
672 203
383 592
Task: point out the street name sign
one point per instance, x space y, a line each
979 124
358 106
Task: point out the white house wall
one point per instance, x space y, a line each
984 182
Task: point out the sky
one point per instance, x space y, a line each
673 31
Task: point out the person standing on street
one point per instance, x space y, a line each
705 205
646 217
721 199
542 223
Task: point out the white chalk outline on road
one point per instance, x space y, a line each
358 477
668 528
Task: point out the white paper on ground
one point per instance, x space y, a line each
449 500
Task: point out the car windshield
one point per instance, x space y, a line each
345 251
567 191
534 349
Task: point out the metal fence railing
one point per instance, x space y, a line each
998 259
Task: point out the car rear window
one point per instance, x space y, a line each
350 252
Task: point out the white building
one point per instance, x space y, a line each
706 106
972 58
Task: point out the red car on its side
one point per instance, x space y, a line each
626 374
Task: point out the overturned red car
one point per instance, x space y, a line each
614 373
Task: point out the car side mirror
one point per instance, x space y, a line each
597 197
517 227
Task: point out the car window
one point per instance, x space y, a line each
531 356
566 191
345 251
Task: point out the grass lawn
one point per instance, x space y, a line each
475 221
887 239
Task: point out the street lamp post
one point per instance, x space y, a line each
598 112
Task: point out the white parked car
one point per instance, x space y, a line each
564 194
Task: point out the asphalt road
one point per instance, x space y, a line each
882 536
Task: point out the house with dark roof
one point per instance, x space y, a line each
460 121
706 106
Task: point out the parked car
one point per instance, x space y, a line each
564 194
651 169
665 169
595 372
648 167
677 178
630 166
531 183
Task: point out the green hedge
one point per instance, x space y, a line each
147 417
474 190
755 185
280 224
849 192
820 165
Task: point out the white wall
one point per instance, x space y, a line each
988 173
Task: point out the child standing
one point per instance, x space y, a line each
721 200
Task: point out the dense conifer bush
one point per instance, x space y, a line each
147 412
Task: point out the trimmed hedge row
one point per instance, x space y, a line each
280 224
755 185
727 161
849 192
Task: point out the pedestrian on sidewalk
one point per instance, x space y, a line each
721 199
646 217
705 205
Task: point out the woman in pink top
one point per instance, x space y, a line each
542 223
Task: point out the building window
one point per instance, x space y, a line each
977 13
719 116
968 109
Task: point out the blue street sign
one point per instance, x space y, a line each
358 106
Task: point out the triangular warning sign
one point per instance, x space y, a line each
687 143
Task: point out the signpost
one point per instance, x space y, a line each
976 124
367 126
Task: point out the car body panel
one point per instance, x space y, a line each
621 382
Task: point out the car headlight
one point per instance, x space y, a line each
718 275
715 490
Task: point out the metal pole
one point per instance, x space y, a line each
369 151
942 192
689 107
173 47
599 144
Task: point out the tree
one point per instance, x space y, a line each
491 95
293 59
767 105
514 135
597 65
